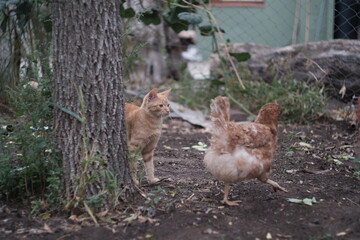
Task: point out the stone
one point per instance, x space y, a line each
334 63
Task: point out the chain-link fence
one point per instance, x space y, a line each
273 29
279 23
347 19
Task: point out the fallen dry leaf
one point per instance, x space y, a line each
341 234
47 228
283 235
342 91
103 213
268 236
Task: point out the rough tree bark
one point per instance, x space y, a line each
87 56
152 69
161 55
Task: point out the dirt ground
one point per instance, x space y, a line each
311 162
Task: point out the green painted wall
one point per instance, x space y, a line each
273 24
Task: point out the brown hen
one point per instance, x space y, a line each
241 151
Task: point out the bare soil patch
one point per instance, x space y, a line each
311 162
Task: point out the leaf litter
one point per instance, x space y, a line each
195 194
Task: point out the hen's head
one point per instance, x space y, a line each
268 113
220 107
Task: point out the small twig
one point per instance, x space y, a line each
316 172
190 196
64 236
353 202
67 206
296 22
240 105
307 21
90 213
318 66
312 74
215 23
142 193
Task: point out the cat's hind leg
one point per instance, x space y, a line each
149 166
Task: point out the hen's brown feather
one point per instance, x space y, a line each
242 151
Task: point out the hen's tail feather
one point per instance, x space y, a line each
220 113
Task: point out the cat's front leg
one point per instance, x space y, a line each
149 166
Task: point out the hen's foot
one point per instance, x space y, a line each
280 188
276 186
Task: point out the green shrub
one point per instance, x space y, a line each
196 94
300 102
28 156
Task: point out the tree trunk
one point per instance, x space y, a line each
161 55
152 70
5 70
87 59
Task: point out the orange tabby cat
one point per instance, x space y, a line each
144 129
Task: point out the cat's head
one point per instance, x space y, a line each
157 103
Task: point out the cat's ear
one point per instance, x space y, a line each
165 93
152 94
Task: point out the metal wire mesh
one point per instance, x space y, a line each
347 19
283 23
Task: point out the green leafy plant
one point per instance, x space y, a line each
305 201
326 236
357 173
110 193
155 196
136 158
28 156
93 170
300 102
196 94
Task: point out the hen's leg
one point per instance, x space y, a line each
226 194
149 167
275 185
